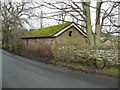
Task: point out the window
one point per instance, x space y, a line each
70 33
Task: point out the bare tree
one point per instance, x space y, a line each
80 11
14 16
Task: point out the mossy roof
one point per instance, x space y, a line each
47 31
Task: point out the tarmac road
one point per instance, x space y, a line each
20 72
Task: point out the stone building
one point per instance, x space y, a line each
67 34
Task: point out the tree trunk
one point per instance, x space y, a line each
97 25
97 35
90 36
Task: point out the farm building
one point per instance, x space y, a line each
67 34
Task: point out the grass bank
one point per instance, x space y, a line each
113 71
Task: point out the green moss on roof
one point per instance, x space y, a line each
48 31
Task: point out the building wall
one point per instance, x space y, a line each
76 39
37 42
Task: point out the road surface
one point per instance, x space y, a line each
19 72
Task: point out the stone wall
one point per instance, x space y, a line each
77 39
87 55
111 55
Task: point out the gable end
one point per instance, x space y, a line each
66 28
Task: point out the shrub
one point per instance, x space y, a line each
10 48
6 47
19 47
39 52
99 63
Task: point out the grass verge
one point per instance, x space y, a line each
110 71
113 71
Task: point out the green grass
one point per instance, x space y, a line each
70 65
110 71
48 31
113 71
77 66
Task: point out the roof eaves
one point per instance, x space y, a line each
37 37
